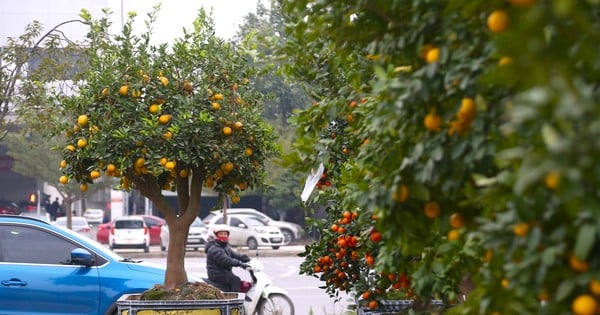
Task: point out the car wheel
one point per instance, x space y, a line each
275 247
252 244
288 236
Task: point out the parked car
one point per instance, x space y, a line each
78 224
291 231
94 216
8 207
50 269
129 232
153 222
248 230
197 235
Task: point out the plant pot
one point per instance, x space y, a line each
130 304
397 307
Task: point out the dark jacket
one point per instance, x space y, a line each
220 258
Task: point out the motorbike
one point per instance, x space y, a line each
264 298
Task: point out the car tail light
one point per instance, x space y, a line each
145 230
112 230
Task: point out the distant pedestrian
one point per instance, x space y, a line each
52 209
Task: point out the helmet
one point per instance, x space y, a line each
221 228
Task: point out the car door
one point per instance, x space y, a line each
238 234
36 277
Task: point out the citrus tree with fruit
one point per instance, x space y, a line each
462 158
166 117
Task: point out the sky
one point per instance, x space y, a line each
172 18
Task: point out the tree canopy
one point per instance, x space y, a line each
166 118
457 138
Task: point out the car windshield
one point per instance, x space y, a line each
129 224
198 223
254 221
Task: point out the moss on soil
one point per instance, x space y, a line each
188 291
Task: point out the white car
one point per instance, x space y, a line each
129 232
197 235
94 216
248 230
78 224
291 231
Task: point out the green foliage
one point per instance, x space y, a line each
417 103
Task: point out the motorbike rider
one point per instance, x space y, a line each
220 258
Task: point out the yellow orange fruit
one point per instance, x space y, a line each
163 80
467 110
164 119
167 135
136 94
83 187
238 125
216 106
154 108
70 148
184 173
104 92
577 264
123 90
425 50
584 304
552 180
433 55
489 255
227 131
82 120
217 97
170 165
401 194
433 122
63 179
188 86
453 235
82 143
432 210
63 164
235 199
594 286
242 186
505 283
139 162
111 167
457 221
521 229
505 61
248 152
95 174
163 161
498 21
227 167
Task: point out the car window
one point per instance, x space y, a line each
129 224
219 221
19 244
152 221
235 221
254 221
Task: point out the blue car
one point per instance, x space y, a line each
46 269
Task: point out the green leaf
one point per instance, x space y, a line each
585 240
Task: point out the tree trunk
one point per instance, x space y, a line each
176 273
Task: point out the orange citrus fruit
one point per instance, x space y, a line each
433 55
163 80
216 106
63 164
154 108
505 61
432 210
521 229
95 174
401 194
82 143
552 180
82 120
104 92
578 265
467 110
238 125
170 165
63 179
433 122
584 304
164 119
457 221
227 131
497 21
453 235
83 187
123 90
217 97
594 286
